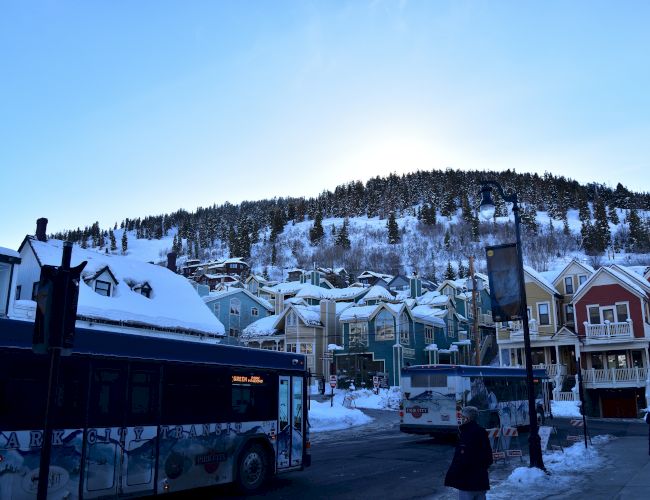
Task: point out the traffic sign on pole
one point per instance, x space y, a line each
332 381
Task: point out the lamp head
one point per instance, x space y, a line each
487 205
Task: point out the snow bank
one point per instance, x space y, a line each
322 417
565 408
564 467
386 399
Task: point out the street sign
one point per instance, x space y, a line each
375 381
332 381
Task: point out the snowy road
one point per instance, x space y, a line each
377 461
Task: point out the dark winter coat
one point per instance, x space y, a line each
647 421
469 468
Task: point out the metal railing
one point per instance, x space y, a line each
608 330
485 319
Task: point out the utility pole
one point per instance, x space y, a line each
477 335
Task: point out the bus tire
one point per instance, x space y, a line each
253 468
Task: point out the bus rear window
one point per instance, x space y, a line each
428 380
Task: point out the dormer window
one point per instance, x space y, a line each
103 288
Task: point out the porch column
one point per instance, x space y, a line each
557 354
576 391
397 363
500 357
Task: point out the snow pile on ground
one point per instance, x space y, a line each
565 408
386 399
322 417
565 469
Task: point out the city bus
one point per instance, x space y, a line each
139 415
433 395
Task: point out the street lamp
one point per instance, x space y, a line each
487 211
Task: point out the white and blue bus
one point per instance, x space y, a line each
139 416
433 395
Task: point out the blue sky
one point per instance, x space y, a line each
114 109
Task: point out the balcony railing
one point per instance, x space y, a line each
517 329
608 330
553 370
565 396
615 376
485 319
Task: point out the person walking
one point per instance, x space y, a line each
468 472
647 421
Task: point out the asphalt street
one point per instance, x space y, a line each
378 461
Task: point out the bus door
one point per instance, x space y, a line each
291 425
119 454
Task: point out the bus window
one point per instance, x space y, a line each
143 396
70 400
23 391
193 395
107 393
428 380
252 397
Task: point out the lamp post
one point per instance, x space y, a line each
487 211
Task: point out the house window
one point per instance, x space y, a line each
568 285
34 290
19 289
233 332
291 347
254 311
594 315
568 312
404 330
358 334
582 278
217 308
235 305
608 314
103 288
543 314
291 319
428 335
622 312
306 348
384 326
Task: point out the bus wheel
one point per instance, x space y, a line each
253 468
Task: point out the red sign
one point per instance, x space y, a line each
417 411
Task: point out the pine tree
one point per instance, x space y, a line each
125 242
393 229
274 255
277 224
316 232
476 235
343 238
462 270
111 236
601 233
612 215
428 214
233 242
447 239
450 274
638 234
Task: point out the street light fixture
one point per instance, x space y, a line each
487 211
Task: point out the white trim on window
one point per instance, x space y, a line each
568 284
547 313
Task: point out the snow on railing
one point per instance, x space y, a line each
608 330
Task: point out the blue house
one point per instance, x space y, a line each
237 308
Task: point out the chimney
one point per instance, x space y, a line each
41 228
171 261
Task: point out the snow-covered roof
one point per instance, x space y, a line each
262 327
216 295
378 293
317 292
359 313
309 316
541 279
174 304
628 278
433 298
372 274
285 288
9 252
430 315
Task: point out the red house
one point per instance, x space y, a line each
612 311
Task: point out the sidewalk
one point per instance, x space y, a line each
626 473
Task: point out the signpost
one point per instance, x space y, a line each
332 385
375 383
